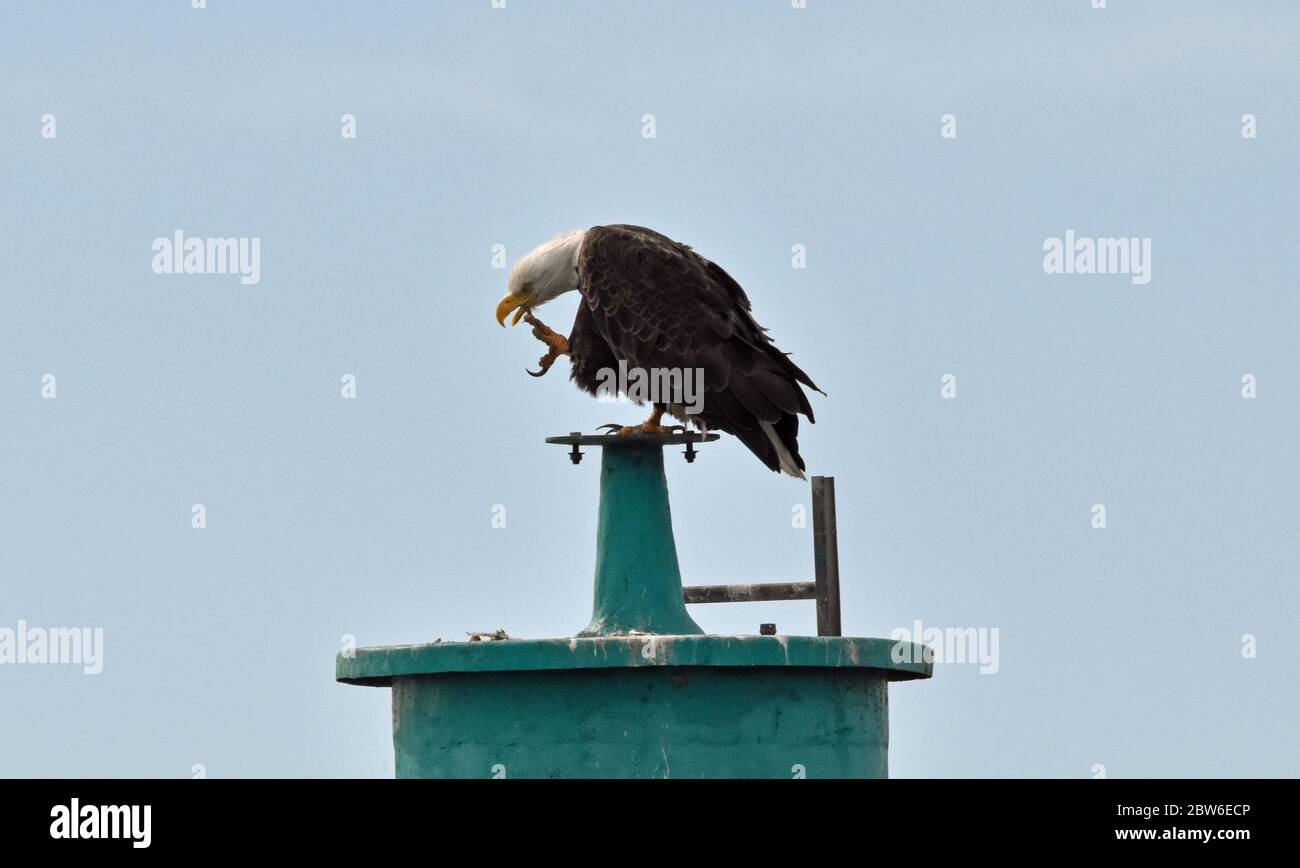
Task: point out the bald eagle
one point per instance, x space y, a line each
654 304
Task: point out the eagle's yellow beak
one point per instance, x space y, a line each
518 303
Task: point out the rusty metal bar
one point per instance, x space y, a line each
756 593
825 588
826 556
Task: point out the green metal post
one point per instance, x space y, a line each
638 582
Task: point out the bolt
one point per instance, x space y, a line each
767 629
575 455
690 452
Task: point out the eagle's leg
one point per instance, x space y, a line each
650 425
558 344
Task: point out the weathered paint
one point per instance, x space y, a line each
377 667
646 722
640 706
638 583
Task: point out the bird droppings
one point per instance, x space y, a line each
496 635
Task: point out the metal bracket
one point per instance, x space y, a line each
825 587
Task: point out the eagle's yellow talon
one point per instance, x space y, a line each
556 342
644 428
649 426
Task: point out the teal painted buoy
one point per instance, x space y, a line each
641 691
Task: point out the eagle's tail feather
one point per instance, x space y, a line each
788 458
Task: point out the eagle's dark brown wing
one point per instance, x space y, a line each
658 304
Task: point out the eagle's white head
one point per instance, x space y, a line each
549 271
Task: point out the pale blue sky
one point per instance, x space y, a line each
775 127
